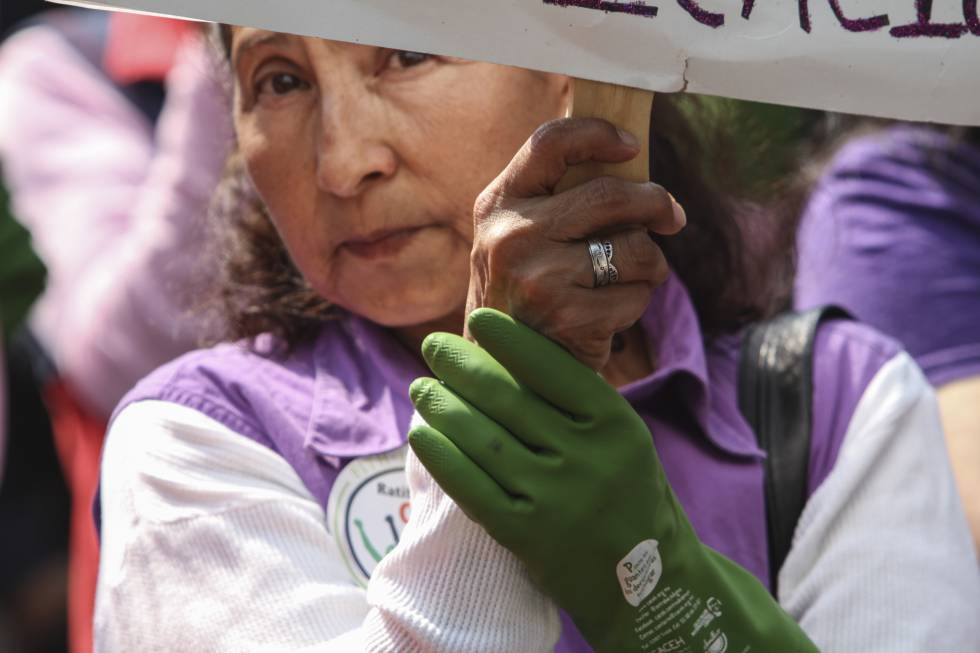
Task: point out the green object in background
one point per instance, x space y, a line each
771 142
561 470
22 274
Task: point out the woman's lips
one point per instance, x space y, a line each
381 243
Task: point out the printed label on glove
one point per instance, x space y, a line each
676 620
639 572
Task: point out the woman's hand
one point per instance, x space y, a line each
559 468
530 254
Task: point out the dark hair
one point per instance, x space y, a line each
735 256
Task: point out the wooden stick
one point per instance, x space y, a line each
627 108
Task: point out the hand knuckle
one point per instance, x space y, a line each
629 251
656 199
659 268
493 236
503 236
547 134
640 258
485 204
607 193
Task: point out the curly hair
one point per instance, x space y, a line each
735 256
259 290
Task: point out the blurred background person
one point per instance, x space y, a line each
113 133
892 234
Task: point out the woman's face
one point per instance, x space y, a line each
369 161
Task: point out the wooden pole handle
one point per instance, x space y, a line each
627 108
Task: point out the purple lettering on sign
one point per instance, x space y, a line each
923 26
970 15
859 24
635 8
701 15
850 24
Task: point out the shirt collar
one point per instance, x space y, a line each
374 415
675 342
361 405
704 376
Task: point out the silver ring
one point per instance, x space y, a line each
603 271
613 271
600 273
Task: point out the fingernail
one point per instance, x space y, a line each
628 138
680 216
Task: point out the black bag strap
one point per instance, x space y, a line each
775 395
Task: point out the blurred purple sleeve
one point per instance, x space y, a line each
117 211
892 234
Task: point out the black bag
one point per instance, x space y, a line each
775 395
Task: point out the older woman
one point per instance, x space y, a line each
250 491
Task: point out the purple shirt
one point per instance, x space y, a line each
892 234
346 395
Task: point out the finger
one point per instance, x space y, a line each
609 203
485 442
474 375
588 320
478 495
543 160
636 258
539 363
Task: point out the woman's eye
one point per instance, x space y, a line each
280 84
407 59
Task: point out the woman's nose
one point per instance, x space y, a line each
352 153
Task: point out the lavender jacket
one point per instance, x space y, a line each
340 401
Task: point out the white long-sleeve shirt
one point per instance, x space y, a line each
881 561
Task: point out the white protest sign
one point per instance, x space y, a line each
909 59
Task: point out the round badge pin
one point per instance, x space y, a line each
367 509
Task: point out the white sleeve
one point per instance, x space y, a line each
882 559
211 542
492 607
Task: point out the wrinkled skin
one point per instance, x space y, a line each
529 255
370 162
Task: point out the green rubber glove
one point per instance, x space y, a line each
559 468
